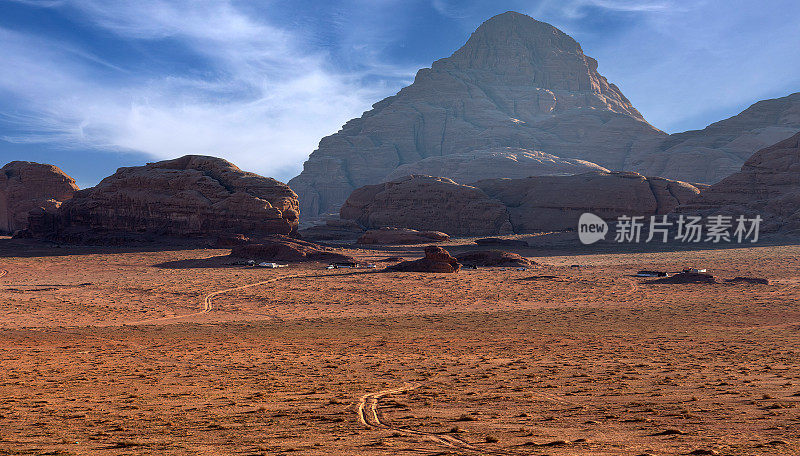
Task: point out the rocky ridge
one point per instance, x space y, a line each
189 196
768 185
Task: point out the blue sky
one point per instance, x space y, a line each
91 85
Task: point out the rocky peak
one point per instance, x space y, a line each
516 49
517 83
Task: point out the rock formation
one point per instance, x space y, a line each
333 230
402 236
490 258
767 185
286 249
436 259
502 206
189 196
551 203
500 162
517 82
25 186
719 150
427 203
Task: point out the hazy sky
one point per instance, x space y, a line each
90 85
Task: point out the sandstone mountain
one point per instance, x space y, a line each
25 186
427 203
494 163
768 185
502 206
517 82
189 196
719 150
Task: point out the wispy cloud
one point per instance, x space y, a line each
264 102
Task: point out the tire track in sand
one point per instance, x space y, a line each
368 415
207 302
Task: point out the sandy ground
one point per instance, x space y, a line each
125 351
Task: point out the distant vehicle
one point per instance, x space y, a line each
695 270
272 265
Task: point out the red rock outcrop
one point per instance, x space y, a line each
286 249
517 82
427 203
490 258
189 196
553 203
436 259
502 206
25 186
401 236
767 185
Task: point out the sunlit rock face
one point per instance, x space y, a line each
25 186
719 150
517 83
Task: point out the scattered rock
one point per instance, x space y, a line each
503 242
427 203
286 249
27 186
192 196
436 259
230 240
704 452
489 258
401 236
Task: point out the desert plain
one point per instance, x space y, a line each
177 351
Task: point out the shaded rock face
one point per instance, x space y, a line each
333 230
719 150
768 185
552 203
402 236
436 259
494 163
687 277
503 242
502 206
286 249
489 258
427 203
189 196
26 186
517 82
